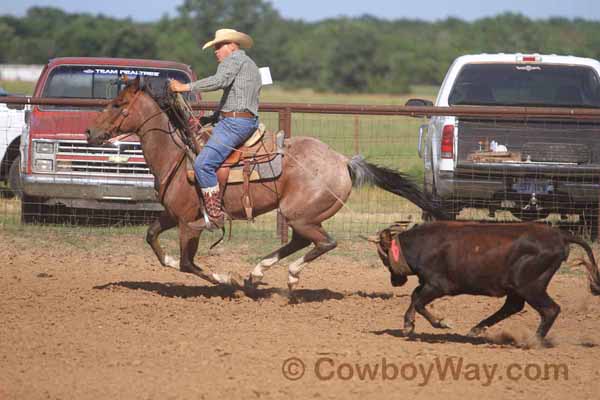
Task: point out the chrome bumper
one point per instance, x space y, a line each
93 192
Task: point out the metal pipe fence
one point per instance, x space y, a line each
385 135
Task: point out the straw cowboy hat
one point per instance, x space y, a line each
230 35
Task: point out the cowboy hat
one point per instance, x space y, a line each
230 35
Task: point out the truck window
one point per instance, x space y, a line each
85 82
526 85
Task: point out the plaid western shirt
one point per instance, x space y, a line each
239 78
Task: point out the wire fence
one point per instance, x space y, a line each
548 168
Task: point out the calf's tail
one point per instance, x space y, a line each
591 266
364 173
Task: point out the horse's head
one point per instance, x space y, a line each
120 116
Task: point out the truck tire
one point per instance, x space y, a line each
14 178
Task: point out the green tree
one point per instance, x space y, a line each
364 54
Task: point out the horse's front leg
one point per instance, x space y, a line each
161 224
188 246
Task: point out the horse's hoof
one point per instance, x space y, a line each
445 324
409 332
222 279
254 280
171 262
236 280
292 282
474 332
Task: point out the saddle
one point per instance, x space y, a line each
259 158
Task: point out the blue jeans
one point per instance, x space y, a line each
227 134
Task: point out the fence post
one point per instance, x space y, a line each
356 134
285 124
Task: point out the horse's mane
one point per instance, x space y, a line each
173 104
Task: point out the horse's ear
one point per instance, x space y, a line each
131 83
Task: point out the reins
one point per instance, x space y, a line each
183 144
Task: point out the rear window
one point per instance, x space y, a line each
526 85
101 82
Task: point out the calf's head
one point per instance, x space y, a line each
390 252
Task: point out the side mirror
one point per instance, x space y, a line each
418 103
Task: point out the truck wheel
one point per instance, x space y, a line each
14 178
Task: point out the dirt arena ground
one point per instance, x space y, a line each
104 320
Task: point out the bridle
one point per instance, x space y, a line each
116 125
123 114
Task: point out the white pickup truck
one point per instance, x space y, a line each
12 123
531 167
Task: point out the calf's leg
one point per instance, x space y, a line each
421 296
514 303
547 309
536 295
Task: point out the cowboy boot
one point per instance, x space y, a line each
214 217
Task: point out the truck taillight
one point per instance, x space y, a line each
448 141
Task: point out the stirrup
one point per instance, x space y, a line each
207 223
216 223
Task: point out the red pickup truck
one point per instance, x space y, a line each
59 169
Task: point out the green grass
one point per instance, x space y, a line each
18 87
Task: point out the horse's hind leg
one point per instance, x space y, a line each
323 243
297 243
161 224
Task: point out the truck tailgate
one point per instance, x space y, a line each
533 147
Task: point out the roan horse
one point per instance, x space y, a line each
306 194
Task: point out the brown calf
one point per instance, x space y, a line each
516 260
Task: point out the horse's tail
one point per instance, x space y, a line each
364 173
591 267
